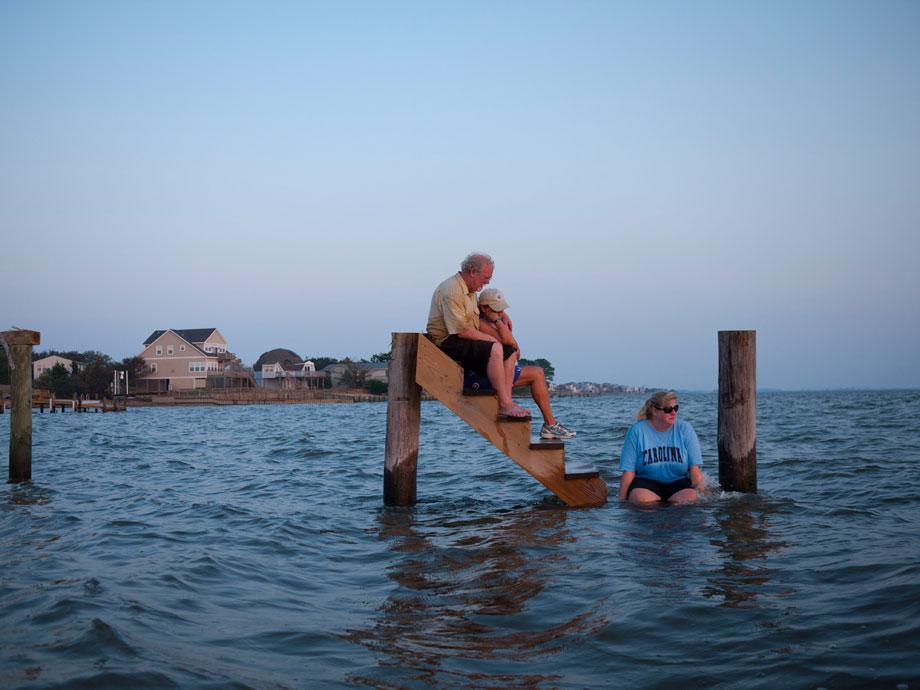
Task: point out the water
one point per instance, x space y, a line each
248 547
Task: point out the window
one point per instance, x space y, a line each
169 349
182 348
152 367
159 350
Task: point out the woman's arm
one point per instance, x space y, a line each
696 478
500 330
625 481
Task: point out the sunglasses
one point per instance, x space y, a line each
667 410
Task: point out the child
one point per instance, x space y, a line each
495 322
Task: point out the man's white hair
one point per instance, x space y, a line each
476 262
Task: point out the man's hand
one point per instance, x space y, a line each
475 334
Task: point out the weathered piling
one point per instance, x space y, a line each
19 345
737 432
403 422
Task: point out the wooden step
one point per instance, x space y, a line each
537 443
442 378
576 470
512 420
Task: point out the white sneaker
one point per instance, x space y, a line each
556 431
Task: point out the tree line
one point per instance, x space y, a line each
92 373
90 376
355 376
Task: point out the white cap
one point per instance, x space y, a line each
494 299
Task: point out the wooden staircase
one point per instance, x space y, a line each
543 460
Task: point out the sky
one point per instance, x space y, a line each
303 174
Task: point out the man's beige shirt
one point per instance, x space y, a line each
453 309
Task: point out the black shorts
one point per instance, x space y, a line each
664 491
472 354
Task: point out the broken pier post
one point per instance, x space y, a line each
404 414
19 345
737 426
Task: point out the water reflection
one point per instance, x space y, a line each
660 548
28 493
468 589
744 544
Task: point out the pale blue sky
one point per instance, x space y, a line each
303 174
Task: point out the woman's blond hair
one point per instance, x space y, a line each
659 399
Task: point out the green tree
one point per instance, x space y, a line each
57 380
544 364
321 362
377 387
381 357
95 379
353 376
135 367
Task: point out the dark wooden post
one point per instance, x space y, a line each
19 345
404 413
737 437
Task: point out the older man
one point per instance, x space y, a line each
453 325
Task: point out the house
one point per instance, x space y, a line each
284 369
291 376
340 372
40 366
186 359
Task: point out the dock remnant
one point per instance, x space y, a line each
737 424
416 364
18 344
404 415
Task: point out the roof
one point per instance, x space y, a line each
367 366
192 335
280 355
66 359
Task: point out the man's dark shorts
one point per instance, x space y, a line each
472 354
664 491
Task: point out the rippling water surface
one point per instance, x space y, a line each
249 547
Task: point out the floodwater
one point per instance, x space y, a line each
239 547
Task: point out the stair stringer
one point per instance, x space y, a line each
442 377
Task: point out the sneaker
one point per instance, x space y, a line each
556 431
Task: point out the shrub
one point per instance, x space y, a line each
377 387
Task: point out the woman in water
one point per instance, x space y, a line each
661 456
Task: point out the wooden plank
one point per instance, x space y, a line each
22 336
545 444
442 378
575 470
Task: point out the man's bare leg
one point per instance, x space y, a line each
495 371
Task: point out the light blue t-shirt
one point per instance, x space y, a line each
664 456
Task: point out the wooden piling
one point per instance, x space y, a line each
403 422
737 425
19 344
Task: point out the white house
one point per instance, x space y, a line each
40 366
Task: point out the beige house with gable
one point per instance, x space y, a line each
40 366
183 359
